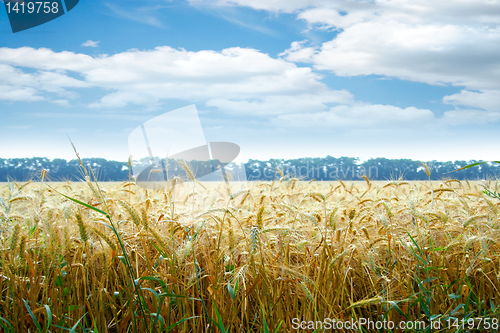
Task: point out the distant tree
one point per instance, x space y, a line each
307 168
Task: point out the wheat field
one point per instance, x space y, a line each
258 257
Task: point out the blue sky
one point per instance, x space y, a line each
280 78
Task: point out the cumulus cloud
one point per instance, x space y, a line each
470 117
361 115
246 81
283 104
233 75
432 53
9 93
445 42
342 13
298 52
91 43
488 99
438 43
17 85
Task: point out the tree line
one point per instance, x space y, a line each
326 168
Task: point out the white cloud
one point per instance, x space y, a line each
46 59
342 13
453 42
91 43
433 53
61 102
123 98
385 119
25 94
67 130
147 77
246 81
487 99
20 127
434 42
470 117
298 52
361 115
17 85
283 104
235 17
286 6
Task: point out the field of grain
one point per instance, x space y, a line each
259 257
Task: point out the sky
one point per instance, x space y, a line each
415 79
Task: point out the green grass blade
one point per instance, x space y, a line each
278 328
152 278
396 307
163 253
49 316
168 329
416 244
231 291
457 308
471 165
37 324
7 328
82 203
73 329
158 317
266 329
219 323
154 292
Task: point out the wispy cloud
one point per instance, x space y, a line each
112 116
235 16
144 15
61 102
22 127
67 130
251 26
91 43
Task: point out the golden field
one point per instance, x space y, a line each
259 257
